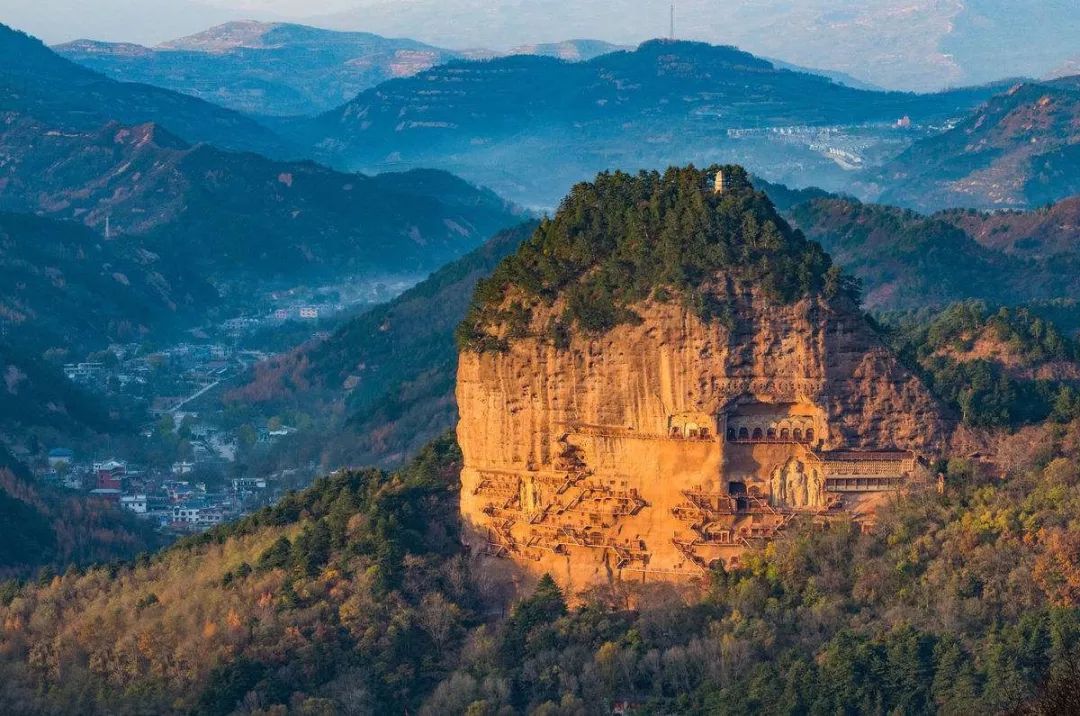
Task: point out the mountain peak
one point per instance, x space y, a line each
142 135
702 51
222 38
624 239
668 335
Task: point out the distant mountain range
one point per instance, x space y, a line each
902 44
284 69
36 82
228 216
1021 149
259 68
899 44
529 127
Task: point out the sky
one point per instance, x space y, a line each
902 44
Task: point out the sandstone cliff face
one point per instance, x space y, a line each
619 457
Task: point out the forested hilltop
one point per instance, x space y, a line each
353 597
626 238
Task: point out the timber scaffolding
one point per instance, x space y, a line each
707 510
623 504
501 541
571 462
494 488
559 540
719 520
594 500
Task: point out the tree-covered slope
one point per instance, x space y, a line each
353 597
51 528
36 394
623 239
910 260
64 288
354 587
1038 233
998 368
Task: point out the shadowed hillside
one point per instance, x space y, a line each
37 82
282 219
1020 150
66 289
911 260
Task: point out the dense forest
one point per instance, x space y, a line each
908 260
626 238
354 597
998 368
47 528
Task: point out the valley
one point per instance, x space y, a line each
185 458
362 374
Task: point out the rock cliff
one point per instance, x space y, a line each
664 444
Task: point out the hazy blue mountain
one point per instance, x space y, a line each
36 82
239 215
530 127
903 44
992 39
836 76
1069 68
263 68
285 69
1021 149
